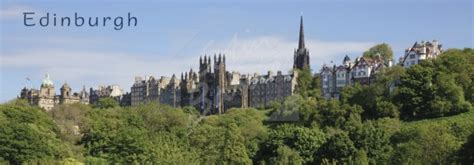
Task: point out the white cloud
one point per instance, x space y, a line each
261 54
93 68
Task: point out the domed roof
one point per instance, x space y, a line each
65 85
47 81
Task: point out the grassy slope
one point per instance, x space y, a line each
466 118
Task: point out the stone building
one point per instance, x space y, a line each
420 51
163 90
112 91
46 97
361 71
213 89
268 88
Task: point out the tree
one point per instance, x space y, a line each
459 64
208 141
286 156
334 114
106 102
308 85
373 137
432 144
338 147
289 111
466 153
231 133
233 151
27 134
423 92
377 99
160 119
117 135
384 50
304 81
305 141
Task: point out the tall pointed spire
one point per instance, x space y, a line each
301 57
301 39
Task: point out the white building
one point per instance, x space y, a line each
421 51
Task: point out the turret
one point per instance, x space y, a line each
65 91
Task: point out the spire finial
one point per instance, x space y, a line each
301 39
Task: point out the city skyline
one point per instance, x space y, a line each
94 57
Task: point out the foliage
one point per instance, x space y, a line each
308 85
243 127
376 99
116 136
466 153
304 141
425 93
106 102
460 65
419 115
338 147
28 134
384 50
432 144
286 156
373 137
333 114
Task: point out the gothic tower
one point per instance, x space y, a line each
204 68
301 57
220 85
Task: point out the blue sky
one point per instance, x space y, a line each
256 36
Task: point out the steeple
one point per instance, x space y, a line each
301 56
301 39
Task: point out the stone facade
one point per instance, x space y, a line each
361 71
112 91
268 88
420 51
213 89
46 97
163 90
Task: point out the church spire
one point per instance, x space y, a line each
301 57
301 39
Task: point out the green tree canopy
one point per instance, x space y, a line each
423 92
106 102
384 50
28 134
305 141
